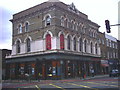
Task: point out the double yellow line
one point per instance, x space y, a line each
57 86
74 85
82 86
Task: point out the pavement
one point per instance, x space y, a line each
77 78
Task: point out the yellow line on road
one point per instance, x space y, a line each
18 88
102 84
37 87
57 86
82 86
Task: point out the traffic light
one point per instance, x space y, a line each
107 23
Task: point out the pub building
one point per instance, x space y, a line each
54 39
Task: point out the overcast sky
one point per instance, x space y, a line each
97 10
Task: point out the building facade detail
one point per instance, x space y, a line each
57 41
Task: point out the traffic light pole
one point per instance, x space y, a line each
115 25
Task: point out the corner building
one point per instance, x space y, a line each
55 40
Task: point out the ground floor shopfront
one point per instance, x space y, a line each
52 66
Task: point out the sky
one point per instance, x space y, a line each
97 10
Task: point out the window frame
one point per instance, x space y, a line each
74 44
62 42
19 28
26 26
80 44
62 21
48 42
91 47
28 45
96 49
48 20
85 45
18 46
68 42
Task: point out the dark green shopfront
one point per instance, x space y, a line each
52 66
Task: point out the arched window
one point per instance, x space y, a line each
62 41
48 41
18 46
72 24
85 46
74 43
68 42
66 22
80 44
26 26
76 27
19 28
96 50
48 20
28 45
62 21
91 46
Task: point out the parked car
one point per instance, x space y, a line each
114 73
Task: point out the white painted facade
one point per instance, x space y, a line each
40 46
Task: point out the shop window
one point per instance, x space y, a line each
18 46
48 41
33 71
68 42
12 71
62 41
29 69
28 46
49 71
22 70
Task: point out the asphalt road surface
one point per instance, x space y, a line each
101 83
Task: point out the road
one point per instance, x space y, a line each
101 83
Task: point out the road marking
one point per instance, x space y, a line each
102 84
57 86
109 82
18 88
82 86
37 87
